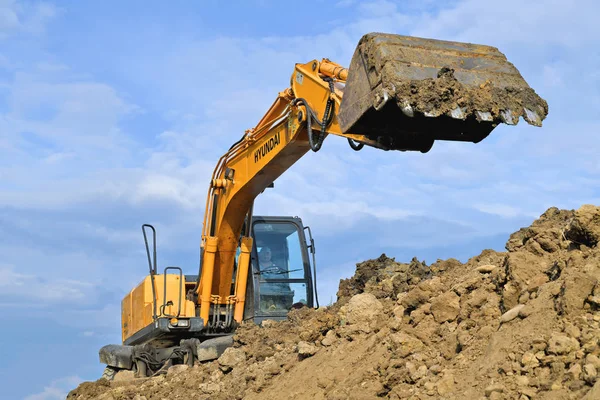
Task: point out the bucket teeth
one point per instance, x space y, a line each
432 114
532 117
457 113
483 116
381 100
406 108
508 118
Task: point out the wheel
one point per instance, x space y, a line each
109 373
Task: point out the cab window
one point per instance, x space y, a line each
281 269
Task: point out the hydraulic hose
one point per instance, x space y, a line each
355 146
315 145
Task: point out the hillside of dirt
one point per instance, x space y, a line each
520 324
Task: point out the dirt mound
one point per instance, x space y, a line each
521 324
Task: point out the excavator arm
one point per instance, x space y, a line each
401 93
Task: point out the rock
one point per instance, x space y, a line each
562 344
177 369
539 344
418 373
399 312
574 292
529 392
529 360
524 298
445 385
418 315
445 307
306 349
511 314
124 375
590 374
230 358
584 229
435 369
209 388
138 397
557 368
329 339
415 298
595 300
537 281
363 307
594 360
405 344
572 330
522 380
496 396
496 387
575 372
486 269
268 323
525 311
271 367
395 324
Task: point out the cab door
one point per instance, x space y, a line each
281 273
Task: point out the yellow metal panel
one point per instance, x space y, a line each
126 316
137 306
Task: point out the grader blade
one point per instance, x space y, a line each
406 92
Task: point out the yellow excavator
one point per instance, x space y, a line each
399 93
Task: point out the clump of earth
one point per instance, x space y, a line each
520 324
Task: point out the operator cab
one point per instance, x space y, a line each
280 272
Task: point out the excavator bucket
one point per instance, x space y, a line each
406 92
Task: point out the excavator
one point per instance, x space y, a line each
399 93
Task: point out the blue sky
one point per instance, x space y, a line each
113 115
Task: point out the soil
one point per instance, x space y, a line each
437 77
520 324
445 93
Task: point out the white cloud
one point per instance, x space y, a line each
37 289
20 17
535 24
379 8
498 209
57 389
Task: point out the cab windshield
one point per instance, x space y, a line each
280 268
